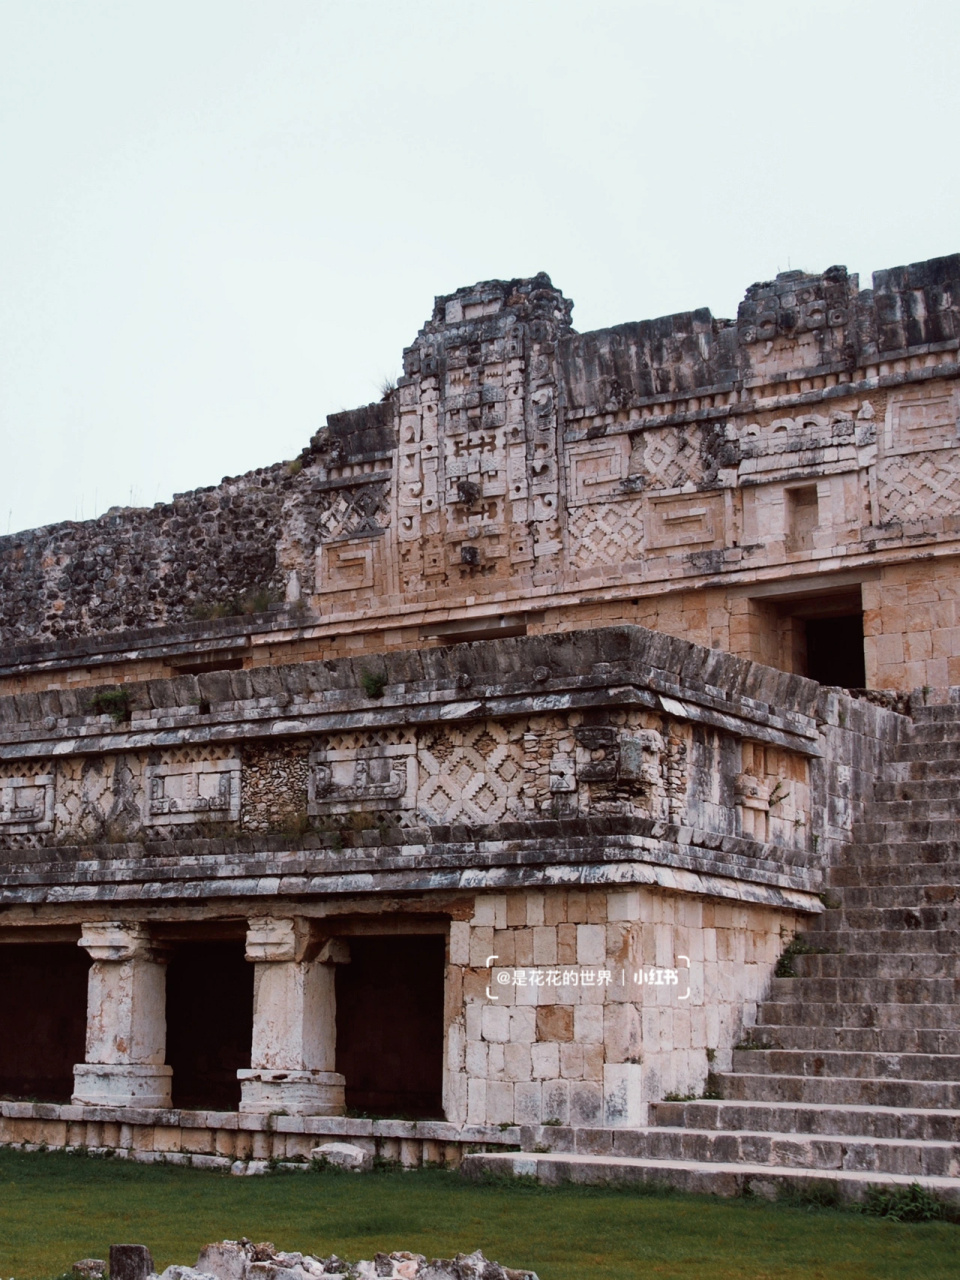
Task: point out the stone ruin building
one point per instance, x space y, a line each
458 789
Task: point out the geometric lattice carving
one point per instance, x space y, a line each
353 511
667 457
918 485
353 739
606 535
100 797
472 774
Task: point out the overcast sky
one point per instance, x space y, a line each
221 220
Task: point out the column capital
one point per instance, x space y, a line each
277 939
116 940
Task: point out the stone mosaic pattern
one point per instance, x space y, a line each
631 764
516 457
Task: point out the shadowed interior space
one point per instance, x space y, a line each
209 1023
390 1025
43 1019
817 634
835 651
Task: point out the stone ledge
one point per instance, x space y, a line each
733 870
608 659
352 1126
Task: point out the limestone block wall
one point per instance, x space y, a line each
569 1012
912 625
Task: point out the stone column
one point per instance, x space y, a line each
126 1020
294 1023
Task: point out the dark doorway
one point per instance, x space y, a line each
390 1026
835 651
43 1019
209 1023
816 633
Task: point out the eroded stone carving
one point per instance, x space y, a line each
369 772
26 800
185 787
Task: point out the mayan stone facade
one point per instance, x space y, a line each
474 770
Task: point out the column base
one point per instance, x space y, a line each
297 1093
100 1084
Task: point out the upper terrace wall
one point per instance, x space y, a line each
615 755
518 464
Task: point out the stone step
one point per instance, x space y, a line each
882 842
893 1017
843 1090
923 809
926 742
921 1158
935 1125
934 732
897 918
868 991
910 872
935 711
906 896
941 754
924 1040
856 1066
915 942
929 791
864 966
918 767
723 1179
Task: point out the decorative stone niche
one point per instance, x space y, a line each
26 803
361 771
772 795
190 791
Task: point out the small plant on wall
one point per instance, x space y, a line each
372 684
114 703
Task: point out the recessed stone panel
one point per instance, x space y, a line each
694 521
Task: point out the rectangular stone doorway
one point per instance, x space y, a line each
390 1025
43 1019
814 633
209 1023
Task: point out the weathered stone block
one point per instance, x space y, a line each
130 1262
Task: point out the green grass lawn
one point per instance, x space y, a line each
56 1208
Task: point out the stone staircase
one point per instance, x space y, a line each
851 1076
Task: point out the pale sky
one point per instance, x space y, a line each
223 219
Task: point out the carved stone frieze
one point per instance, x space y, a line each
362 772
26 800
190 786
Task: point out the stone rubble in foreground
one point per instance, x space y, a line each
244 1260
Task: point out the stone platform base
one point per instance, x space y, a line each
121 1085
216 1139
301 1093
